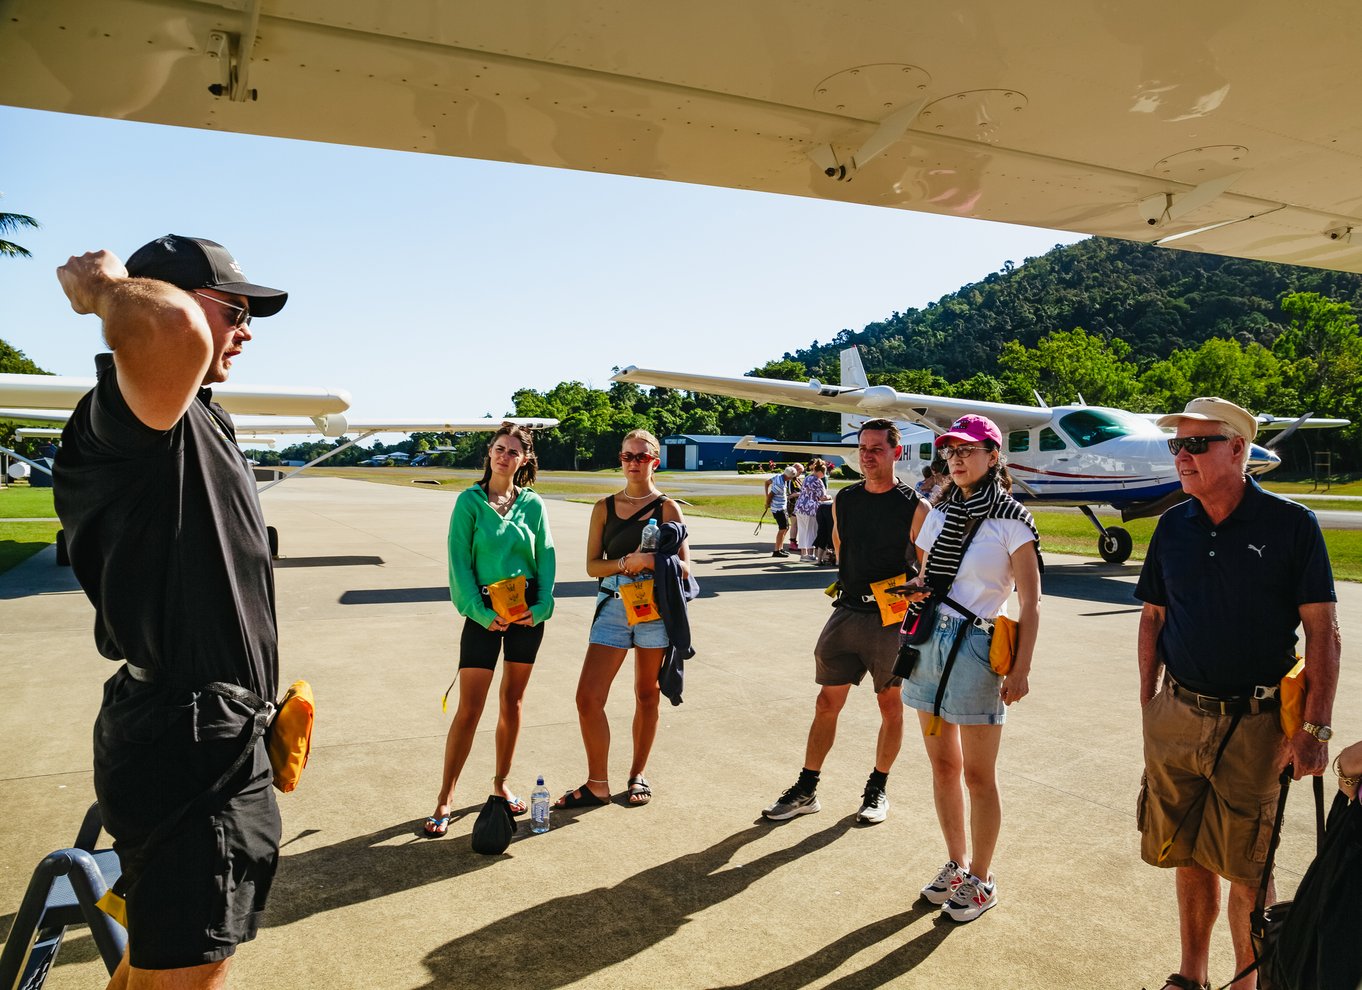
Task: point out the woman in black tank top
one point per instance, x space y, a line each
614 558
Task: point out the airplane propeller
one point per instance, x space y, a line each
1281 437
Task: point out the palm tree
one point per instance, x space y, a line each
10 222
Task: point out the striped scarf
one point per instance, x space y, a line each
988 502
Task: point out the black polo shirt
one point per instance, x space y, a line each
1232 592
167 539
875 534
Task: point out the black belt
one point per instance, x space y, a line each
1263 699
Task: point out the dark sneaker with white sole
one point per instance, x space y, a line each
874 805
793 802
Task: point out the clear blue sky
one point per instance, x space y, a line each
436 287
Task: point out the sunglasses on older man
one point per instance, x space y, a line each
1193 445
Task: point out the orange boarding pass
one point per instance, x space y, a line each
892 607
508 598
638 602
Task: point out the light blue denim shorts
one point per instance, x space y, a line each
611 628
972 696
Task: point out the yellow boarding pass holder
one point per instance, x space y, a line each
1291 696
639 605
892 607
508 598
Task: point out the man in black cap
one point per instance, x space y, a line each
166 537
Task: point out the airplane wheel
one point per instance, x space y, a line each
273 535
1115 546
63 558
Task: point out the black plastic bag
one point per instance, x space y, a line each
493 830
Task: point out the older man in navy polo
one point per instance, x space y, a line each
1230 575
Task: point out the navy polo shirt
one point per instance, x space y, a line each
1232 592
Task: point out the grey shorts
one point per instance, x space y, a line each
852 644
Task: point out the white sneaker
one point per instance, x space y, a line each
939 890
972 898
874 805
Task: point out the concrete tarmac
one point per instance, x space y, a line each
694 890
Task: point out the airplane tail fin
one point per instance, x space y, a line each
853 376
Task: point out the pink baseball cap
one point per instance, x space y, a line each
973 429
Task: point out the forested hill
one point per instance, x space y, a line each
1157 300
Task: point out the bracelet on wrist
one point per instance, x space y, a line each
621 565
1343 779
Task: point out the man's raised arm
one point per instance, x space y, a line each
161 340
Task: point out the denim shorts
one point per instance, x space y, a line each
611 628
972 696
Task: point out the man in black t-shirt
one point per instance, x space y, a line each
167 540
875 522
1229 575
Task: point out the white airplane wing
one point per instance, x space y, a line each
337 425
63 392
934 412
1216 126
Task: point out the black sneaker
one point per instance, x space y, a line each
780 553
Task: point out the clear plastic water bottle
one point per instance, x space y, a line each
649 544
539 807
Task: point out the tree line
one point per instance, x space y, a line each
1108 322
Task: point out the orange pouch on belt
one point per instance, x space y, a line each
892 607
1002 651
1291 694
638 602
508 598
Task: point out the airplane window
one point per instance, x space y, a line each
1050 440
1091 426
1018 440
924 452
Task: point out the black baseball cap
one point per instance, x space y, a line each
198 263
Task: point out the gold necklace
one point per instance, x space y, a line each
640 498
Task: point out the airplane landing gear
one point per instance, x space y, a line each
1114 545
1113 542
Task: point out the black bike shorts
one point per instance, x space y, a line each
479 646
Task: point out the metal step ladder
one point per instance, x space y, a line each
63 892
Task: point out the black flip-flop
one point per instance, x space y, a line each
581 797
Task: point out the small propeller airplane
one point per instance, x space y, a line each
258 411
1068 455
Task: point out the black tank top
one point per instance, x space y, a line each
875 530
622 536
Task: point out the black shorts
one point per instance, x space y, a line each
782 520
479 646
198 893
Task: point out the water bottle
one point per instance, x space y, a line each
539 807
649 544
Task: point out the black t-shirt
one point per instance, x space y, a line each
166 537
875 531
1232 592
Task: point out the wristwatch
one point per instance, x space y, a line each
1321 732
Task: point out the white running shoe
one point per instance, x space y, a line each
874 805
972 898
793 802
939 890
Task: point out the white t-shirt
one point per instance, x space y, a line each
984 581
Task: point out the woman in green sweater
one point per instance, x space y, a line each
498 532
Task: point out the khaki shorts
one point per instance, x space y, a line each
1224 823
852 644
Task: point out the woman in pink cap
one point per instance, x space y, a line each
979 543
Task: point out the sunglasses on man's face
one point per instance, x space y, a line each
629 457
1193 445
243 315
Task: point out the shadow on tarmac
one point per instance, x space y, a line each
902 959
565 939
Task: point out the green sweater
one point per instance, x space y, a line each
485 547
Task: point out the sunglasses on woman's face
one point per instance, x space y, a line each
629 457
1193 445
